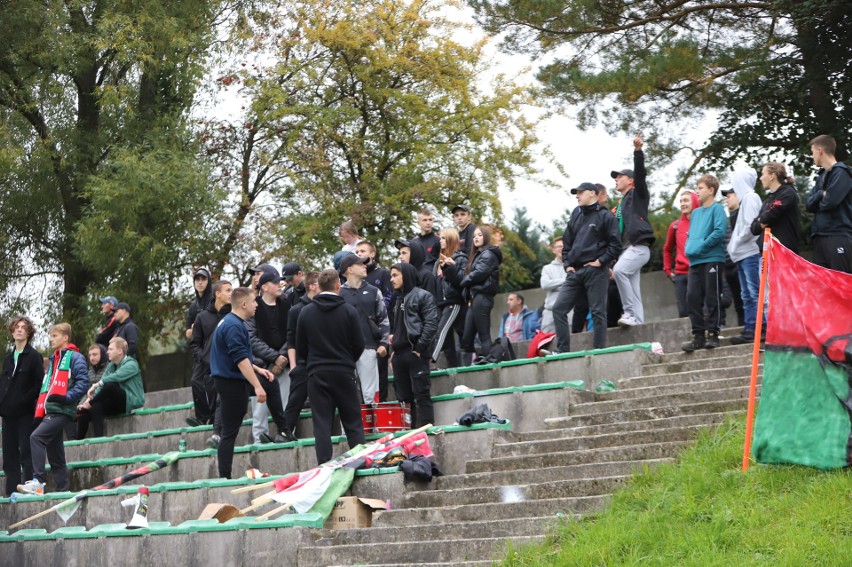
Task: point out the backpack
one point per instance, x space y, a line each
501 350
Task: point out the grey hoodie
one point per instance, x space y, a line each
743 243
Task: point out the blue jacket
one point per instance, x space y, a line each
231 345
530 324
78 385
706 240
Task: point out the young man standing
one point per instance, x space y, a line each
744 204
590 243
378 277
298 373
64 384
519 324
294 277
127 328
705 249
204 392
430 241
329 341
108 306
368 302
637 235
675 262
552 276
23 371
203 296
415 323
465 226
235 375
831 202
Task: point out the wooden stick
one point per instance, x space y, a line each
252 487
273 512
31 518
255 506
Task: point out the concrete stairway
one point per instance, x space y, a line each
533 479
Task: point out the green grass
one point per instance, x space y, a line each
705 511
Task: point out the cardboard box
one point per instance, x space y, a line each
353 512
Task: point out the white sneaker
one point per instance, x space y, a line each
627 321
31 487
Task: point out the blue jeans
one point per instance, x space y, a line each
748 270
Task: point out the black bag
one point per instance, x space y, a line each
501 350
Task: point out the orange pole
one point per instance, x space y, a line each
755 352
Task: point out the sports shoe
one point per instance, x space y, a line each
31 487
193 421
627 321
698 341
712 340
213 441
743 339
266 438
289 436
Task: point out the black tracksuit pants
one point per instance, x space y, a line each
451 324
593 283
478 323
298 395
111 400
203 393
703 295
414 385
330 389
233 399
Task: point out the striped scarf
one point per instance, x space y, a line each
55 380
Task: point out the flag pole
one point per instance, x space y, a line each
755 353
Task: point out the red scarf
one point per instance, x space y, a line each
57 377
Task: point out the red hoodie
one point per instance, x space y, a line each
676 240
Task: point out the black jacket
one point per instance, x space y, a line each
130 333
202 332
591 234
380 278
833 210
259 329
451 278
201 301
328 336
416 308
431 247
108 330
292 323
466 238
780 212
634 206
19 389
484 274
292 294
372 315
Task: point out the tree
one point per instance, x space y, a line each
366 111
777 71
89 90
525 253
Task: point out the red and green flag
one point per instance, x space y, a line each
805 412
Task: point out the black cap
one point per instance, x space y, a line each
269 276
725 192
627 172
402 243
123 305
289 270
261 268
350 260
464 208
585 187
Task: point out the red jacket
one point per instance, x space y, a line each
675 242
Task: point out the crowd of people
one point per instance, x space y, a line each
330 336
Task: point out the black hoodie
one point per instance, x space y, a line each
425 277
202 300
328 335
203 330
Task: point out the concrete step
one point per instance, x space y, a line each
661 400
595 441
689 375
625 426
681 384
521 492
727 349
453 551
674 367
648 413
476 512
652 451
521 476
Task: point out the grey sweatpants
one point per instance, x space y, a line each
626 272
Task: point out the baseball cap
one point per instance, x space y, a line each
289 270
585 187
464 208
627 172
123 305
109 299
269 276
402 244
350 260
726 192
261 268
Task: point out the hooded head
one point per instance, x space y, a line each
417 255
409 277
743 181
695 202
205 273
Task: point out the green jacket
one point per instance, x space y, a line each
127 375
